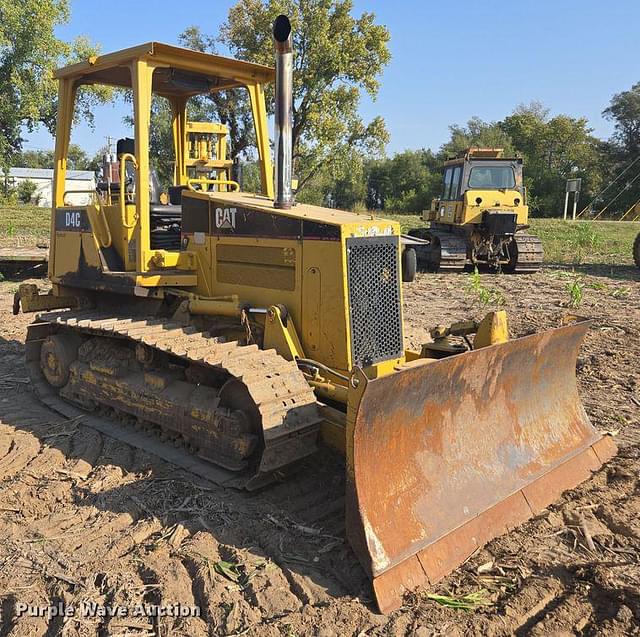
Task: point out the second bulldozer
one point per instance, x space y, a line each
272 327
481 217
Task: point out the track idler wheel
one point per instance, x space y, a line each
57 353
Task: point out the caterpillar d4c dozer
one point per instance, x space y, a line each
480 218
273 326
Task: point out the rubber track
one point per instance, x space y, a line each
276 385
529 253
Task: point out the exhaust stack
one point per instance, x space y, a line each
284 111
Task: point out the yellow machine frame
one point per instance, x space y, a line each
206 151
135 68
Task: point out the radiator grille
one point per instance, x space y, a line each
373 273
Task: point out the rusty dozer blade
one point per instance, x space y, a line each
446 455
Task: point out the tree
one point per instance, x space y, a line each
29 52
25 191
623 150
35 159
77 159
554 149
336 57
477 133
624 111
405 183
230 107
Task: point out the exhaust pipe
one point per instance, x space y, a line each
284 111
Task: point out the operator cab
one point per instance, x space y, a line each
481 169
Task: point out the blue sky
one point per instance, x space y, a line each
450 60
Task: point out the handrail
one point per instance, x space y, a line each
124 158
218 182
97 203
105 223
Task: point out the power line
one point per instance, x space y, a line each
607 187
616 197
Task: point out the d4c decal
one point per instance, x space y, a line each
226 218
68 220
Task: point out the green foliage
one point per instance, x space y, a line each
478 134
29 52
336 57
77 159
585 240
348 190
250 176
575 290
161 152
554 149
8 195
34 159
607 242
624 111
483 296
238 573
405 183
26 190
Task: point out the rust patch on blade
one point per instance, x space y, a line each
605 449
390 587
433 448
443 556
541 493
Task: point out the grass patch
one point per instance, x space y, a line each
407 222
607 242
24 225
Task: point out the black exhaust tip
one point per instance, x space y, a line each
281 29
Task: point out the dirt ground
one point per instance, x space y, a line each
85 518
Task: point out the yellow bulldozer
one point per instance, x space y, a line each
273 327
480 218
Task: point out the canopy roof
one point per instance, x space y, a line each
181 72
